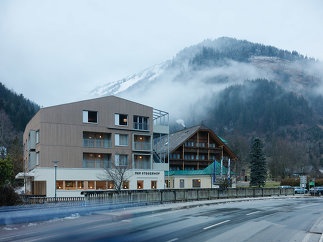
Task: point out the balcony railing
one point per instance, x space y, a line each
145 146
140 126
97 143
96 163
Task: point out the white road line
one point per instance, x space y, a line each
253 213
172 240
211 226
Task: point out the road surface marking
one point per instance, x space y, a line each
211 226
253 213
172 240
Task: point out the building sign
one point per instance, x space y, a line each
147 173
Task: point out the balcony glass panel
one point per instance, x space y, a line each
97 140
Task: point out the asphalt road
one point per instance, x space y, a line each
286 219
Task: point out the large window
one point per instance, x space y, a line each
121 139
101 185
140 123
59 185
90 117
121 160
196 183
70 185
110 185
91 160
121 119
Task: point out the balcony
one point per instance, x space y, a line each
97 143
140 126
142 162
142 146
96 163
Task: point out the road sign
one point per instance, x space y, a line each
311 183
303 179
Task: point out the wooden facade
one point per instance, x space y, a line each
197 148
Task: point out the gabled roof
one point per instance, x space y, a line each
207 171
177 139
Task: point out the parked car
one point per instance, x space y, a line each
300 190
316 191
286 187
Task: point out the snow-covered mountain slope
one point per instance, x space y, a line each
192 79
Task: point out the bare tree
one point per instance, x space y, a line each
119 174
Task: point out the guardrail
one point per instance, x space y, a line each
176 195
33 199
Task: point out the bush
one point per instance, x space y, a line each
8 196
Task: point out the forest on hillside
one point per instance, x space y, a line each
285 121
15 113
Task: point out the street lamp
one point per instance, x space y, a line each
55 168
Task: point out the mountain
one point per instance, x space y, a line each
241 90
15 113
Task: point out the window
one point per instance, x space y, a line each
90 117
80 184
37 158
167 183
59 185
37 136
140 123
178 156
196 183
70 185
101 185
125 185
121 160
110 185
153 184
91 185
121 119
140 184
181 183
121 139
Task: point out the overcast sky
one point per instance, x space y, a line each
57 51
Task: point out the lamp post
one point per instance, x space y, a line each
55 168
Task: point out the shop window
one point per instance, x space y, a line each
167 183
140 184
110 185
121 119
90 117
59 185
80 184
125 185
196 183
70 185
91 185
153 184
181 183
101 185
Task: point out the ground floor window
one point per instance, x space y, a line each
153 184
80 184
196 183
70 185
110 185
90 185
125 185
59 185
140 184
101 185
181 183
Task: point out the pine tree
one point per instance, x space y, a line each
258 167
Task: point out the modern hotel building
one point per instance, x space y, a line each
85 138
